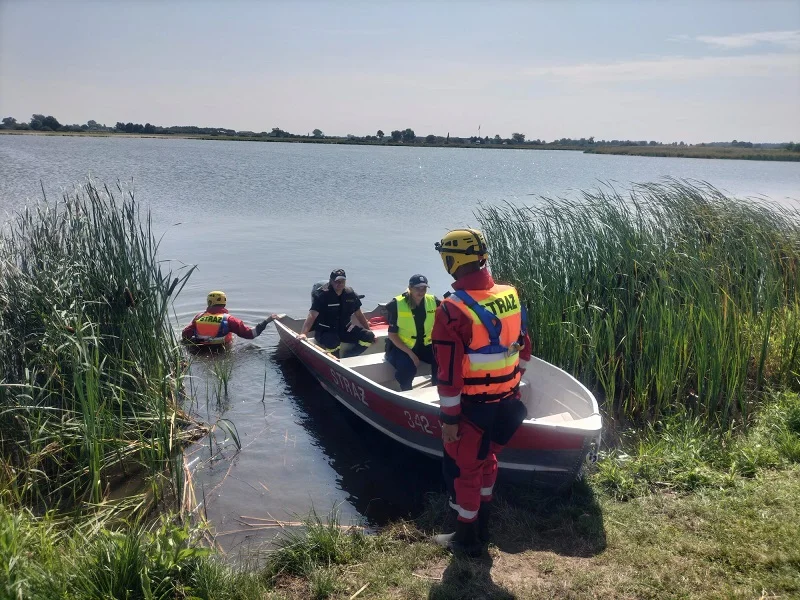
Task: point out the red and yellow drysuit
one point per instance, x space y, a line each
215 327
481 349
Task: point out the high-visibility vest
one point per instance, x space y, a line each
491 361
406 324
212 328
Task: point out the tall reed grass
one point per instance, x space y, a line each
673 294
90 370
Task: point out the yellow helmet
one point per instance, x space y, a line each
460 247
217 297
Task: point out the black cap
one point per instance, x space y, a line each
338 274
418 280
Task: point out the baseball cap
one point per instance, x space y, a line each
338 274
418 280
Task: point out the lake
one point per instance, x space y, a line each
263 222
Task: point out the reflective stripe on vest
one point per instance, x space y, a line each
212 328
407 326
491 370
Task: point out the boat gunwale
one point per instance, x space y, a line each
574 427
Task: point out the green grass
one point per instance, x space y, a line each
318 543
682 453
90 370
672 296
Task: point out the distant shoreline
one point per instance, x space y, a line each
700 152
663 151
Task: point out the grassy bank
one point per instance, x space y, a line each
672 296
733 535
700 152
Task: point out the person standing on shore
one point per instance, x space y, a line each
481 348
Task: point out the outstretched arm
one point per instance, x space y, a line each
261 326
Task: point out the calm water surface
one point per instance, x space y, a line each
263 221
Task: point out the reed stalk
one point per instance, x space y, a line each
674 294
90 370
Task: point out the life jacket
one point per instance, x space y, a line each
212 329
491 360
406 324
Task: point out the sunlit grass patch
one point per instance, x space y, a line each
683 453
319 543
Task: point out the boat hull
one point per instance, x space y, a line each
542 451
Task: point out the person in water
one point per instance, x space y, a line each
333 309
215 327
410 317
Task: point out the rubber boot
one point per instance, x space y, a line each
484 515
463 540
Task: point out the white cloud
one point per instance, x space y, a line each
787 39
672 68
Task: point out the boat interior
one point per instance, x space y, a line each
549 394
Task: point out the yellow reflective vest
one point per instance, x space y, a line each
405 320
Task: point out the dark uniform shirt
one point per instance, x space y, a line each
419 321
335 311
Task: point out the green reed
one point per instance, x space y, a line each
90 371
673 294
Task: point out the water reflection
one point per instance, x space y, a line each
383 479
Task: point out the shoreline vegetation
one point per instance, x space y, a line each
677 305
735 150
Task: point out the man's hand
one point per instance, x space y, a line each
302 337
414 358
450 433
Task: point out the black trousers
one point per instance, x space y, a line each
332 340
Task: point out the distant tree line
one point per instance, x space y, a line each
397 136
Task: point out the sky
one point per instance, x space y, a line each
695 71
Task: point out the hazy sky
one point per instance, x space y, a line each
667 70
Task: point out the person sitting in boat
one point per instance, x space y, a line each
214 328
333 310
410 317
481 347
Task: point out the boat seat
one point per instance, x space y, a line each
426 393
363 360
557 418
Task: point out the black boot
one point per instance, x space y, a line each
463 540
484 514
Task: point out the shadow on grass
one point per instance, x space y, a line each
525 517
469 579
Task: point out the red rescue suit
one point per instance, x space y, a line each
478 387
215 327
